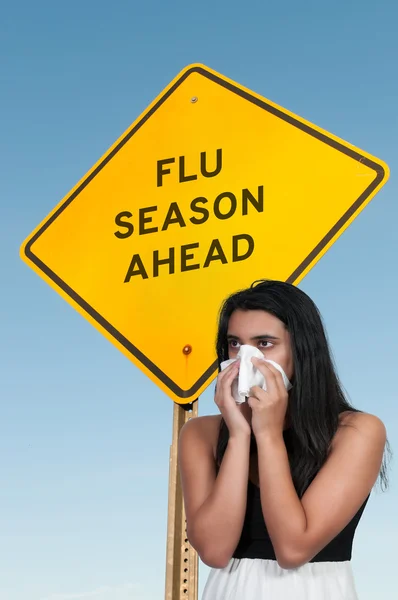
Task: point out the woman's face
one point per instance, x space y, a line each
264 331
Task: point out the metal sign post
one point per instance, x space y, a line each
181 558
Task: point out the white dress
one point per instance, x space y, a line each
262 579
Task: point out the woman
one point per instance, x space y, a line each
275 487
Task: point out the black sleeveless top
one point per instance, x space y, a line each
256 543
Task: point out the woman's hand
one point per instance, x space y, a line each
236 418
268 407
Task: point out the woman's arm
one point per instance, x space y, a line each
215 507
300 529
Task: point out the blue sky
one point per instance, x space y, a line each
84 435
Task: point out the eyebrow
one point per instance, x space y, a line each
267 336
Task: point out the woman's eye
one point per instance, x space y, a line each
265 343
233 343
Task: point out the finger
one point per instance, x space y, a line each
232 371
262 365
252 402
224 383
269 374
278 376
227 382
232 368
258 393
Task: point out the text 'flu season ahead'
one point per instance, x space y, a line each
154 219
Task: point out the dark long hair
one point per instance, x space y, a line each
316 398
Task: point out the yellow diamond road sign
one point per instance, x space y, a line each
210 189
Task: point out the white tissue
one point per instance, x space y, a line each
248 375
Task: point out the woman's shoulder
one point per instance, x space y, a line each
360 418
365 424
202 430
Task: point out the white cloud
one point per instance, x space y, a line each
128 591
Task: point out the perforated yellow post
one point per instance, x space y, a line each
181 558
